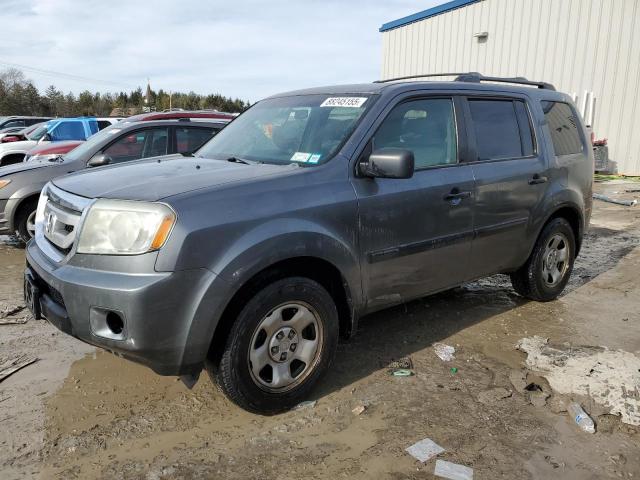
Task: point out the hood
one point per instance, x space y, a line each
21 146
24 166
55 147
162 177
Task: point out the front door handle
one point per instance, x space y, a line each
537 179
455 196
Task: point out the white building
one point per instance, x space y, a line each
587 48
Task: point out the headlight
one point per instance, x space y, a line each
122 227
4 183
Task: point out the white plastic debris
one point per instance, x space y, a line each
444 352
453 471
304 405
424 450
582 419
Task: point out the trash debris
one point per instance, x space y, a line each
8 315
402 372
587 371
304 405
424 450
492 396
453 370
12 366
359 409
604 198
402 362
444 352
453 471
581 418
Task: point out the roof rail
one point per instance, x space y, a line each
475 77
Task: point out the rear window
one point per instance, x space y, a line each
563 125
68 131
502 129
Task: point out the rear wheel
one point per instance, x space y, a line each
26 220
282 342
547 271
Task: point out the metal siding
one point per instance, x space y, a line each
578 45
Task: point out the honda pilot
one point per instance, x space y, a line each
251 258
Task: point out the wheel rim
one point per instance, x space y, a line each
555 261
285 347
31 224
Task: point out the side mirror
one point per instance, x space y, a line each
389 163
47 137
98 160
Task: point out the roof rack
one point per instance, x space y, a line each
475 77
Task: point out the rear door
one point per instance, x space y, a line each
511 179
415 234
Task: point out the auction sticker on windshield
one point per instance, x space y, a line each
353 102
300 157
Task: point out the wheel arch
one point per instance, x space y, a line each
316 268
572 214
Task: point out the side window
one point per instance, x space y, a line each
497 131
426 127
189 139
68 131
14 123
102 124
141 144
563 125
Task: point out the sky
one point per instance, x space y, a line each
245 49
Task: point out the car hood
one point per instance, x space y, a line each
55 147
161 177
24 166
22 145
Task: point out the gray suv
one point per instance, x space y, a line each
310 210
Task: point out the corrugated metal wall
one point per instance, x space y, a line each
578 45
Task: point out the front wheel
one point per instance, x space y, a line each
26 221
547 271
282 342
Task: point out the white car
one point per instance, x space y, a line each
55 130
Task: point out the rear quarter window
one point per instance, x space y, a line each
564 127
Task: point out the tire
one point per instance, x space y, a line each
261 335
24 220
545 275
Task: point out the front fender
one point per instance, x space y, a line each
258 249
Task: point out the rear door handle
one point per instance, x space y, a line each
537 179
456 196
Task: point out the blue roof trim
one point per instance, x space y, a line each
431 12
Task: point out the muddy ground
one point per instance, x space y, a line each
82 413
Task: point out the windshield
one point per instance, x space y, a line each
91 142
307 129
38 133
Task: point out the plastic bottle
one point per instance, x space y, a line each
581 418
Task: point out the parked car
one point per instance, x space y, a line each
57 130
311 209
60 148
21 121
22 133
20 184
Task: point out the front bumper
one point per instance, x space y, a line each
161 311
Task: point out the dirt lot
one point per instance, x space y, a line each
78 413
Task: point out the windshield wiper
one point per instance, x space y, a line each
242 160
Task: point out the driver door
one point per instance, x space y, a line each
416 233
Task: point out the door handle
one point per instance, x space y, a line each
537 179
455 196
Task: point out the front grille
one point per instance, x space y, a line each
57 221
